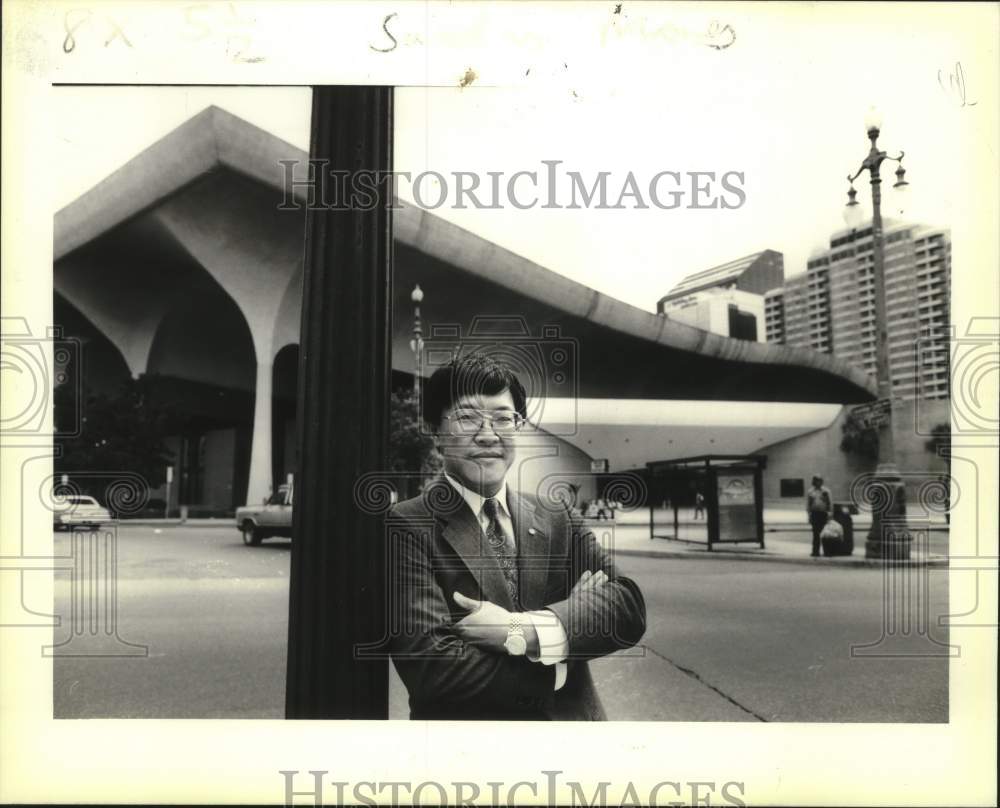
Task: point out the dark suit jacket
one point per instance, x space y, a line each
437 547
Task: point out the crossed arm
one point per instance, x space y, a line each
487 623
443 659
435 662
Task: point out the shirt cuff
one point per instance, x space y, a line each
553 644
560 675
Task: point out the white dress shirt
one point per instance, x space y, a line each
553 644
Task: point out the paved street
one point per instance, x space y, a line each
214 615
727 640
738 640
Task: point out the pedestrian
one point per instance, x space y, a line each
699 505
819 509
945 481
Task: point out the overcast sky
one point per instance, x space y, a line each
784 106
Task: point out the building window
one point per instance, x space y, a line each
742 325
793 487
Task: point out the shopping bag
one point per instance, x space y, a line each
832 531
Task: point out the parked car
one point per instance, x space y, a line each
82 511
272 518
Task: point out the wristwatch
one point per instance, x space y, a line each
516 644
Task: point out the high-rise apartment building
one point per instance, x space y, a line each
807 307
774 316
831 307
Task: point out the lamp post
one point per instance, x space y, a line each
888 536
417 343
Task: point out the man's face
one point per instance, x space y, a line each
477 458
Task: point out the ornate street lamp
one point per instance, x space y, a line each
888 536
417 343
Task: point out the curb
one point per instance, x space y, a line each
173 523
857 528
848 562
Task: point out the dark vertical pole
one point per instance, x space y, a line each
673 501
758 497
654 493
337 598
712 504
888 536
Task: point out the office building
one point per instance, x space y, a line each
728 312
727 299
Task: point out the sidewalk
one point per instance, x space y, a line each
227 522
777 518
781 548
786 540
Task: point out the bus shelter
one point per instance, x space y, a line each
709 499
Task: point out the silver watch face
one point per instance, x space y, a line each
516 644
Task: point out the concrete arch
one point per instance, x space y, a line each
230 225
206 342
288 321
284 402
149 272
105 364
205 338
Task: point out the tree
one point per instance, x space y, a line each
119 432
859 438
411 447
939 442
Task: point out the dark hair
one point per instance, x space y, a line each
470 375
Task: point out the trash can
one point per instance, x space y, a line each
842 516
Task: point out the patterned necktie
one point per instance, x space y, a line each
503 547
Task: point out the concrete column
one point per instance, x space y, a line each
260 482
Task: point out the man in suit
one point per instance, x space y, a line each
499 598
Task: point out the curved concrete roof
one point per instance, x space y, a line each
434 236
215 139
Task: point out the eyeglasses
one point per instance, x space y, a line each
469 422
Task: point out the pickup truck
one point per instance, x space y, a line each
272 518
